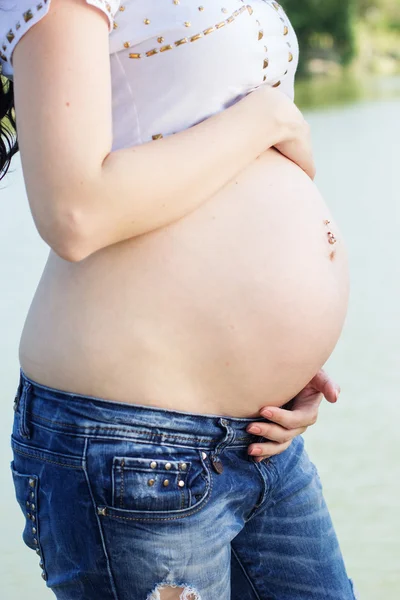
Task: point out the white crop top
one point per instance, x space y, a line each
175 63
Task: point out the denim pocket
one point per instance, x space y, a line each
26 491
148 481
146 484
153 483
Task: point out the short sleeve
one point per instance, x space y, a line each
18 16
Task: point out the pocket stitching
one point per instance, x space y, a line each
110 511
46 459
37 535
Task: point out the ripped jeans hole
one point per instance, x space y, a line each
172 591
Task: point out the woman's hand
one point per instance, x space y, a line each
294 418
294 132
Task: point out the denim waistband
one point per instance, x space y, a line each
77 414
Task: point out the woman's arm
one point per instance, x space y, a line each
84 197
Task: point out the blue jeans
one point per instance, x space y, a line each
120 500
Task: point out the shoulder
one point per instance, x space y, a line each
18 16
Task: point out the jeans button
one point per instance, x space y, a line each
217 464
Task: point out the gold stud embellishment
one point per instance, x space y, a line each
326 222
153 464
180 42
265 63
188 24
101 511
181 483
221 24
160 39
152 52
135 55
126 45
115 25
275 5
165 48
203 455
122 8
151 482
230 19
265 78
10 36
32 482
290 57
28 15
249 9
201 8
196 37
165 482
277 84
176 1
209 30
183 466
260 34
168 466
146 21
285 30
156 136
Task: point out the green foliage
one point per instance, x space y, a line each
324 25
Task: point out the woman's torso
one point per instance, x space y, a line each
233 307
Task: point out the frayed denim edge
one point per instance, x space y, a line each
187 591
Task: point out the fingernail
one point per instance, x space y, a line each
254 429
255 450
337 394
267 413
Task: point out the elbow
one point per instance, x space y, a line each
66 235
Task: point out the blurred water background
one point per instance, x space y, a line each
355 121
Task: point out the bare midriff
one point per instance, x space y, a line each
234 307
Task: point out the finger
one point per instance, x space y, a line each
275 433
325 384
267 449
293 419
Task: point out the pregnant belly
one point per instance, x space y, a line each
235 306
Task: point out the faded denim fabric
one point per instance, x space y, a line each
120 500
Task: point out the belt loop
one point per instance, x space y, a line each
22 406
229 437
